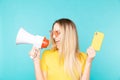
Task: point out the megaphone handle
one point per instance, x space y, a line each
32 57
36 46
35 55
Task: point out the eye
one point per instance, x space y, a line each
56 33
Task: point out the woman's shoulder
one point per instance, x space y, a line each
82 55
48 52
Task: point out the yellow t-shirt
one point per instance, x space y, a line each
55 71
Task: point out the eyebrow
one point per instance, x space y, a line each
56 30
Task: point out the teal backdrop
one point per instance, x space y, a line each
37 17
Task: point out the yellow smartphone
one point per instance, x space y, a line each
97 40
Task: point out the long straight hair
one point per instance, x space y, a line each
69 47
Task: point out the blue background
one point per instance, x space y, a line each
37 16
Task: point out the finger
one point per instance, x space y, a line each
35 52
32 53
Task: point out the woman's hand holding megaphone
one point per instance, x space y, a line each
35 53
39 42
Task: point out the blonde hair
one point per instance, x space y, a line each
69 47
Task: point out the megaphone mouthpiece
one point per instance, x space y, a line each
45 43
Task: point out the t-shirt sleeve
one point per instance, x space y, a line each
43 62
84 57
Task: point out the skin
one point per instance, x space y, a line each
43 75
57 38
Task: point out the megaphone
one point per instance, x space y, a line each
23 37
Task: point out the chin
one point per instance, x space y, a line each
57 47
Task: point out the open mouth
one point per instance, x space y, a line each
57 41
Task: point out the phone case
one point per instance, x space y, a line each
97 40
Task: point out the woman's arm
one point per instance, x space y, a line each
38 72
35 53
91 54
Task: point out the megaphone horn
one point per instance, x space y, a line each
23 37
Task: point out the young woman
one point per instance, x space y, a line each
63 61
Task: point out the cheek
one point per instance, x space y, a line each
53 36
60 36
